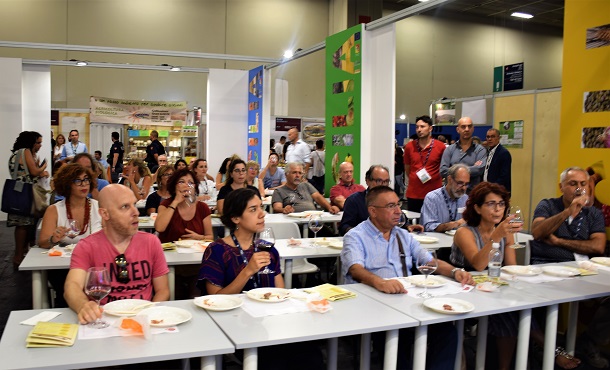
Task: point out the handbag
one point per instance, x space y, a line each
21 195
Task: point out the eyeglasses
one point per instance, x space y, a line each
381 181
189 183
123 275
237 170
390 205
494 204
79 182
462 184
167 175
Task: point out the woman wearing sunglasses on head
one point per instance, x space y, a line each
236 180
71 219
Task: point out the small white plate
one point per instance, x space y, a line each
450 232
218 302
187 243
297 214
326 241
601 260
424 239
450 306
522 270
561 271
269 295
164 316
115 308
336 245
431 282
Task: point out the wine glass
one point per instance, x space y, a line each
292 198
97 286
73 228
189 195
426 264
315 224
402 220
581 192
263 241
518 221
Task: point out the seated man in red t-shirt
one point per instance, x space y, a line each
345 187
135 260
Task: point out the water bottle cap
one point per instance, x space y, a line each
495 245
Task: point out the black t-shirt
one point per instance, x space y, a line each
117 147
155 147
225 190
399 166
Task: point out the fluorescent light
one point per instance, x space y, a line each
402 116
175 69
288 54
422 1
522 15
81 63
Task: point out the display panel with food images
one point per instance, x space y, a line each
597 101
598 36
314 131
343 86
343 140
595 137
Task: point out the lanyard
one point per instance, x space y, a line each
452 214
205 182
243 256
74 148
427 155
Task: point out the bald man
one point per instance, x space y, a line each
298 151
134 259
346 185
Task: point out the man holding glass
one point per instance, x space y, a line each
376 251
137 271
443 207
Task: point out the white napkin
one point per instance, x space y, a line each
262 309
537 279
41 317
452 287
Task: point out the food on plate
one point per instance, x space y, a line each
156 322
448 307
294 241
267 295
131 324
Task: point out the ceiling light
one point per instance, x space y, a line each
422 1
288 54
402 116
81 63
175 69
522 15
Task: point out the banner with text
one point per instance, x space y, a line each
255 113
137 112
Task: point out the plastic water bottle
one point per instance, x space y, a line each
495 260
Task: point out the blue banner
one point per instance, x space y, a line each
255 113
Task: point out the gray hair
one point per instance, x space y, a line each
494 130
455 168
369 173
289 165
564 174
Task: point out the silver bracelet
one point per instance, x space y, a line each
455 270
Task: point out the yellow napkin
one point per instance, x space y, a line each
52 334
485 278
332 292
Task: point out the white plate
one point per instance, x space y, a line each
561 271
431 282
123 305
450 232
522 270
601 260
218 302
297 214
458 306
275 294
424 239
336 245
326 241
188 243
164 316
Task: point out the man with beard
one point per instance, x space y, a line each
296 195
422 161
443 208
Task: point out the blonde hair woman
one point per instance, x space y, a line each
138 178
252 179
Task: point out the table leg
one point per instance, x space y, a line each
305 231
37 290
459 326
171 279
208 363
572 325
390 357
288 273
250 358
523 340
548 357
481 342
419 347
365 351
185 364
333 351
340 278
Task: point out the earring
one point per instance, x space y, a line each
236 227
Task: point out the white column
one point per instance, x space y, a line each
36 105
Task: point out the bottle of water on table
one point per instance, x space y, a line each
495 260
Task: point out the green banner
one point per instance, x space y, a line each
343 102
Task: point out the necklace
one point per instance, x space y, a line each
87 212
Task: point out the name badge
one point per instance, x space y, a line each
461 210
423 175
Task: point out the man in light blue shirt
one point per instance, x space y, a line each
98 157
443 207
73 147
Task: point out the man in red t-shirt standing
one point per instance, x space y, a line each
422 160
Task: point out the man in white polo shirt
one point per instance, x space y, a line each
298 150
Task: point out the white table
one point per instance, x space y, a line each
199 337
290 253
326 217
355 316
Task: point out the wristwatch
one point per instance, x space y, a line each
456 270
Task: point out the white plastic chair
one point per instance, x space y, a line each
287 231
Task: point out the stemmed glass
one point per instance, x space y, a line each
581 192
73 228
263 241
518 221
426 264
315 225
97 286
189 195
402 220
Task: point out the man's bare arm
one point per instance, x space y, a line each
595 245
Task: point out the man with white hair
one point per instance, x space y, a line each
298 150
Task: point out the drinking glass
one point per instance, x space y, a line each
315 225
189 195
73 228
263 241
581 192
292 198
97 286
402 220
518 220
426 264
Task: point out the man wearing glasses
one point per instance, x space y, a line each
499 161
296 195
376 251
134 259
354 208
443 208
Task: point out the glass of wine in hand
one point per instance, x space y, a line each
517 222
402 220
263 242
97 286
315 225
426 264
73 227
